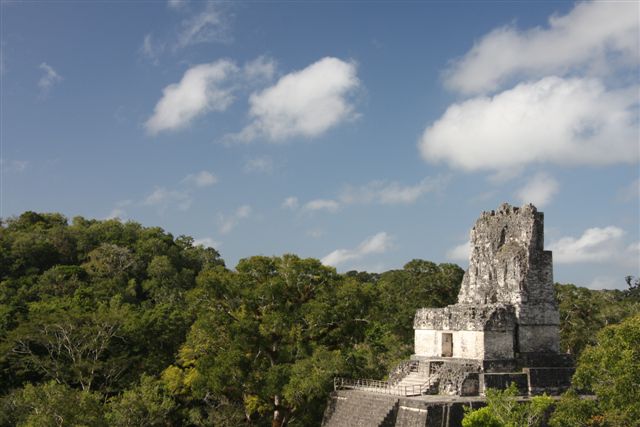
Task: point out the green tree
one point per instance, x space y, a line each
250 340
504 410
583 312
69 345
419 284
574 410
146 405
51 404
611 370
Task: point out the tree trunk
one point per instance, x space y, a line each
278 418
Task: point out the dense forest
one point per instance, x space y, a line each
110 323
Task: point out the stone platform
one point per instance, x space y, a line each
354 408
503 329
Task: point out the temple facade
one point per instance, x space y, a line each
503 330
506 305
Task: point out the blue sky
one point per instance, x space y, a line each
365 134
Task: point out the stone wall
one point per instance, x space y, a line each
508 289
352 408
464 317
538 338
508 263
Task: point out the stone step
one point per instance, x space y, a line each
358 409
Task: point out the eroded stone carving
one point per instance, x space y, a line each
503 330
506 303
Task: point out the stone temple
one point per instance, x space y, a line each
503 329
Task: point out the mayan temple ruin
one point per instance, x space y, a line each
503 329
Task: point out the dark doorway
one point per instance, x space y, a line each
447 344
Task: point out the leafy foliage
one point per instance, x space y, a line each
52 404
111 323
504 410
584 312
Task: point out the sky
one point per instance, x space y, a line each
365 134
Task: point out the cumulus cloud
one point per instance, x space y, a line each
163 198
315 233
564 121
49 79
460 252
321 205
201 89
591 38
303 103
379 243
290 203
595 245
176 4
539 190
389 193
210 25
375 192
258 165
151 49
207 242
260 69
229 222
201 179
118 212
13 165
605 282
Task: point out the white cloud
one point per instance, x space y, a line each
151 49
316 234
539 190
163 198
201 179
388 193
593 37
49 79
595 245
117 213
176 4
376 244
207 242
460 252
258 165
379 267
303 103
243 211
229 222
322 205
208 26
260 69
13 165
564 121
605 282
199 91
290 203
378 192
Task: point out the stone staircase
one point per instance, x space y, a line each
361 409
416 383
411 417
410 378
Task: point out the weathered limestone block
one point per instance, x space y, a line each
463 317
506 303
508 263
